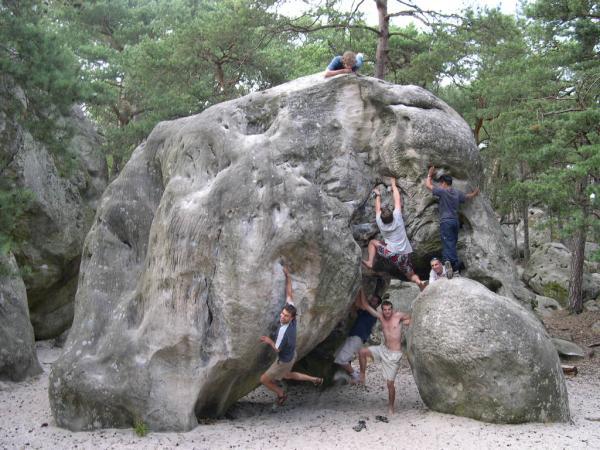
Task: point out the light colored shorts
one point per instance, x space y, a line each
280 369
346 352
390 361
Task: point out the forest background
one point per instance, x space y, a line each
528 84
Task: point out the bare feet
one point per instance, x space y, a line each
390 411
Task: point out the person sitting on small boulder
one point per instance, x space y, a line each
347 63
395 246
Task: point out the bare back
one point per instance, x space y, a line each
392 331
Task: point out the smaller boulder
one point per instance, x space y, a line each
18 359
477 354
545 306
568 348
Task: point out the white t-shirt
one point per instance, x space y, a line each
280 334
433 276
394 234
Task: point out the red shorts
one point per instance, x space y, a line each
401 261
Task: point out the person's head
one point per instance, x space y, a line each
349 60
387 215
375 301
288 313
387 309
436 265
445 181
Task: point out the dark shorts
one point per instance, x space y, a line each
401 261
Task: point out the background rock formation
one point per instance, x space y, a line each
181 270
65 199
18 359
548 269
476 354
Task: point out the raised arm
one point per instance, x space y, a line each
429 180
357 301
396 194
470 195
365 305
289 297
377 201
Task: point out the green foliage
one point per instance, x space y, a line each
557 292
39 82
140 427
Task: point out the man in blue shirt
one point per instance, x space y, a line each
450 199
347 63
285 347
358 335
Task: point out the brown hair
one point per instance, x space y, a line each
291 309
349 59
387 215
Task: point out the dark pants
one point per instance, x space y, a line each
449 237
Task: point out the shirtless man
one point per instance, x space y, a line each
390 353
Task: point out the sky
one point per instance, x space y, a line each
293 7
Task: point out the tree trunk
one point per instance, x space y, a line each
578 251
525 217
524 203
383 40
514 227
576 277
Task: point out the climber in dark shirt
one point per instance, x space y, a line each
358 335
285 347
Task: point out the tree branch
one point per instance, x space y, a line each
554 113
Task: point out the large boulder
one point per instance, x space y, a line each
548 270
18 359
66 191
474 353
181 271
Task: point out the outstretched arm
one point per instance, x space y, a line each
470 195
267 340
289 298
332 73
365 305
396 194
429 180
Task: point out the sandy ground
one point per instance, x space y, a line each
312 418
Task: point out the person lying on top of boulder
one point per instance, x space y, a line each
395 246
285 347
347 63
450 199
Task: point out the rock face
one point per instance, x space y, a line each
548 270
474 353
60 216
181 271
18 359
